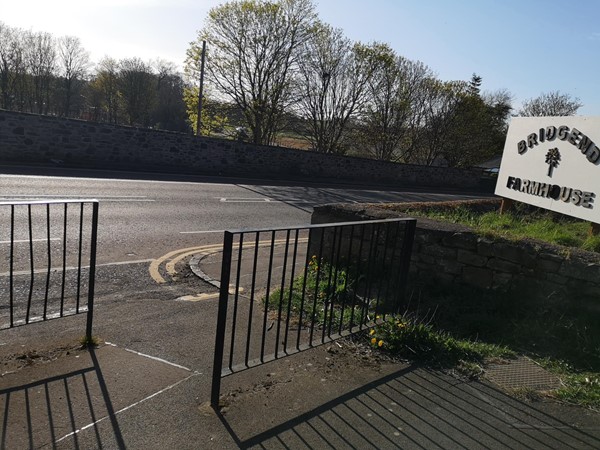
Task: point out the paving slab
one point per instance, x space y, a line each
53 401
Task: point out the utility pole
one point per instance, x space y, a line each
201 91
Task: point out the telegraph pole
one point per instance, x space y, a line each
201 90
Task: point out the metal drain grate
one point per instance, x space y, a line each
522 373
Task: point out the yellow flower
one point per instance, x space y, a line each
380 343
372 332
374 341
401 325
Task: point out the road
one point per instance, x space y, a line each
144 219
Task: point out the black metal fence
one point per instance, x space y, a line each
47 260
286 290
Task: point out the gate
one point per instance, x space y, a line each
47 261
286 290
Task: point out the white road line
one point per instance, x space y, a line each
77 196
21 241
150 357
59 269
202 232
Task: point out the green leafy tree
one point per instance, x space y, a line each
214 120
252 48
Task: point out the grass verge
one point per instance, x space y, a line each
521 222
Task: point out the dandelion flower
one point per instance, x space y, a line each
372 332
374 341
380 343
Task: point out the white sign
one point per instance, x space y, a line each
553 163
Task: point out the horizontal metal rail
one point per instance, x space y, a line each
284 290
39 240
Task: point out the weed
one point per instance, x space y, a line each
89 342
323 295
417 340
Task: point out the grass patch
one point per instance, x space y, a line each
419 341
324 295
521 222
565 342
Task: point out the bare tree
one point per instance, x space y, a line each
332 81
395 106
550 104
138 91
105 90
74 65
11 64
40 58
252 47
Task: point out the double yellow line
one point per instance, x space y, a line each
172 258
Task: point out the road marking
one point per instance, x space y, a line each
261 200
21 241
202 232
208 296
174 257
59 269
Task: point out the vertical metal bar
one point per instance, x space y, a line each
64 256
32 272
316 296
79 258
251 306
347 280
49 248
390 276
405 255
358 276
335 281
291 293
303 296
329 296
281 291
235 300
372 248
380 272
221 319
11 264
92 271
270 273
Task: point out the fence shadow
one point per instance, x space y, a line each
418 408
47 412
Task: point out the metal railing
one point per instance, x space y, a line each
289 289
47 260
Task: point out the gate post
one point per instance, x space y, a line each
221 319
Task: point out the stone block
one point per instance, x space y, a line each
501 265
580 270
471 258
465 241
478 277
485 247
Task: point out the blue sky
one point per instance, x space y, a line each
525 46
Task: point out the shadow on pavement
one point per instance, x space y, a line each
48 420
417 408
82 391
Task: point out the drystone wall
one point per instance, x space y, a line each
453 255
34 139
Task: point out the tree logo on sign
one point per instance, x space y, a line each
552 159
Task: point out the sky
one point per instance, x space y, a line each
524 46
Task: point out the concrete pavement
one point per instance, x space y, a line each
148 389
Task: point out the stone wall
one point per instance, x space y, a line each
453 255
33 139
